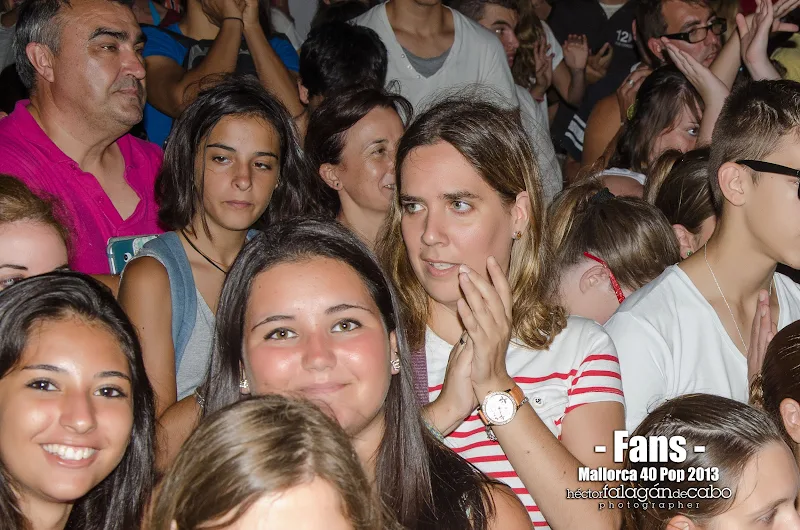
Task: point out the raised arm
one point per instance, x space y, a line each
271 71
171 88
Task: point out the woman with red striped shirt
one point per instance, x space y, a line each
526 393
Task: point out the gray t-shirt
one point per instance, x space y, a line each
6 45
426 67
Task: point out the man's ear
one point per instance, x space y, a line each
733 181
328 174
790 415
592 278
41 57
657 47
685 240
302 91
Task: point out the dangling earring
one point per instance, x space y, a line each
395 365
517 235
244 384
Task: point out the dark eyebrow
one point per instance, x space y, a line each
501 23
459 195
232 150
375 142
409 198
13 266
345 307
47 367
112 373
688 25
273 318
122 36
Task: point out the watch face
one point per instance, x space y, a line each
499 408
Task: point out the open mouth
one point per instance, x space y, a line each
68 452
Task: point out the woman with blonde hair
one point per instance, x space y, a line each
606 247
261 463
464 245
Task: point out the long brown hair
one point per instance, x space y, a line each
659 103
425 484
631 236
529 32
731 432
780 375
492 140
19 203
679 187
257 447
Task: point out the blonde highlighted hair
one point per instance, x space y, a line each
257 447
491 138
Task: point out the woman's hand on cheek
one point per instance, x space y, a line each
485 312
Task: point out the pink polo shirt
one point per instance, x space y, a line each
27 153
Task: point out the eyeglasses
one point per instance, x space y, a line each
614 282
769 167
718 26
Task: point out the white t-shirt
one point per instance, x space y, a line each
476 57
580 367
536 126
671 342
283 24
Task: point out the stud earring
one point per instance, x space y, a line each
395 365
688 253
517 235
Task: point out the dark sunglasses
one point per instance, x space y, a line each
614 282
717 27
769 167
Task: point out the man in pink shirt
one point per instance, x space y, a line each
82 62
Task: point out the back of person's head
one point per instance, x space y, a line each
740 442
338 56
475 9
529 32
776 388
679 187
631 237
339 11
327 128
39 21
661 103
19 203
263 448
179 185
757 120
121 487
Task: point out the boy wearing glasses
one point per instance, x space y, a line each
703 325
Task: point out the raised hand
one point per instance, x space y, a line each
707 84
626 93
457 399
250 13
218 10
485 312
576 52
754 36
544 67
780 9
597 64
760 336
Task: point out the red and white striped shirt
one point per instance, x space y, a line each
580 367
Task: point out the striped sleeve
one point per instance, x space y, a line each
597 378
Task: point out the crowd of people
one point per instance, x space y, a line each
425 265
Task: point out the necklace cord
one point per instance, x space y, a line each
211 261
741 337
